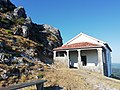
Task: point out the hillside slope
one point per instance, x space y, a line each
74 79
24 45
18 34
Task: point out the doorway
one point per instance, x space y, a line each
84 60
73 59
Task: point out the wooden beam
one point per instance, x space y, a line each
39 84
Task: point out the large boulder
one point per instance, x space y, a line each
1 57
51 29
25 31
19 12
5 58
26 28
18 31
28 20
54 33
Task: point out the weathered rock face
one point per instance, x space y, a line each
6 5
23 38
23 44
55 38
19 12
25 30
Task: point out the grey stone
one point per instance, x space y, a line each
51 29
31 52
9 16
4 76
19 12
1 56
28 20
6 5
1 44
54 32
25 31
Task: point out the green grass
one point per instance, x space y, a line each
9 31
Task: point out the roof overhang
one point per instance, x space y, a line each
81 45
72 49
108 47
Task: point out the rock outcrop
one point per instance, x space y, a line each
6 5
19 12
24 45
20 35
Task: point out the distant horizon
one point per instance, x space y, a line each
115 63
97 18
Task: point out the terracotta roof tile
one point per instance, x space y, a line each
78 45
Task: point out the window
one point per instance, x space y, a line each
60 54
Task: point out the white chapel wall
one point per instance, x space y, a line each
92 57
83 38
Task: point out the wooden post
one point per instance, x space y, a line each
39 86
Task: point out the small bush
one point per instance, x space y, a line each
9 31
20 21
17 54
40 76
23 78
4 20
1 78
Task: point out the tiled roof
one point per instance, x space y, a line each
78 45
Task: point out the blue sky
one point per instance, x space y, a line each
98 18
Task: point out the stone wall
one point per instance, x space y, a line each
60 62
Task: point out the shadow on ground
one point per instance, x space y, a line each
53 88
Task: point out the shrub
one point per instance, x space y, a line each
9 31
15 62
1 78
20 21
17 54
23 78
40 76
4 20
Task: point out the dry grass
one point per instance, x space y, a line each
74 79
80 80
68 79
15 42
